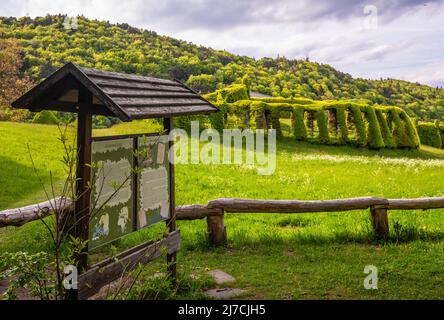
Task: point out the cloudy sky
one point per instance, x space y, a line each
370 39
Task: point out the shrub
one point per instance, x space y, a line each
100 122
411 131
361 132
299 128
429 134
234 93
385 130
202 83
342 125
46 117
217 119
399 130
275 123
374 136
321 119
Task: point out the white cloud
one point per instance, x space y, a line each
406 44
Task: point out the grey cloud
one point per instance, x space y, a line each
219 15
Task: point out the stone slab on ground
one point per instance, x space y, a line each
225 293
221 277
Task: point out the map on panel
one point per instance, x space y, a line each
153 184
112 208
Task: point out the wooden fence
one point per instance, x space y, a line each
215 210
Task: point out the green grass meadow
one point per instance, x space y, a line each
272 256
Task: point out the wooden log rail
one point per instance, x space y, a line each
214 211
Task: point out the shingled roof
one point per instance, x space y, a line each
121 95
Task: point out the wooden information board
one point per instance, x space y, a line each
123 199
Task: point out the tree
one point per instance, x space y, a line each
12 81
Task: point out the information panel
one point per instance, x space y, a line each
123 199
153 181
112 203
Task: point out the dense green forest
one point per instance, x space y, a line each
47 44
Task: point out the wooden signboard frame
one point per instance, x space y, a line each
89 92
92 278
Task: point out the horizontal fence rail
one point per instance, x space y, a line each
214 211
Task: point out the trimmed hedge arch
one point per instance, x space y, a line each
375 127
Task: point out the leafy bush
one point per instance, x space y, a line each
404 133
234 93
374 136
299 128
361 132
202 83
411 130
46 117
429 134
321 119
385 129
342 125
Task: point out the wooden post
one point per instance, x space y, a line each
380 220
80 227
83 175
217 233
171 223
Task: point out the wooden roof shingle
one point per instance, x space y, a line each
121 95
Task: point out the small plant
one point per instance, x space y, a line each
28 271
404 233
162 287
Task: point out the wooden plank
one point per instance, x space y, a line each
129 93
113 83
295 206
154 102
95 73
193 212
157 112
415 204
93 280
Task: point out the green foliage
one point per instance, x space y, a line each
429 134
375 140
202 83
385 129
26 271
412 133
122 48
46 117
341 118
234 93
321 119
299 128
162 287
361 132
399 130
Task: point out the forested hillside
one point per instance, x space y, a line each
47 45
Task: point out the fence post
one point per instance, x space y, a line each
380 220
217 233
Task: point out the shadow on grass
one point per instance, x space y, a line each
287 144
237 240
18 182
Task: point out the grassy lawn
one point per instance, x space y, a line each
305 256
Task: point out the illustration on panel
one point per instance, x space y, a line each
112 209
153 184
